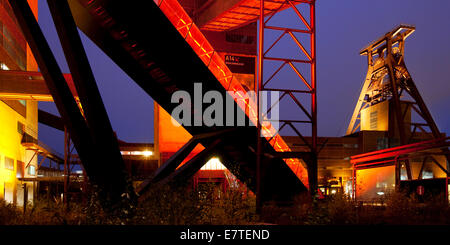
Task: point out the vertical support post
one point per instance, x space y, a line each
66 167
397 172
258 102
312 169
36 191
25 197
446 189
396 100
354 183
85 186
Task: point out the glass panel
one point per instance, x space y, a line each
9 163
32 170
374 183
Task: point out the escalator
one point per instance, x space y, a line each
163 51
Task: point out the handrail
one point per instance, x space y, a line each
400 150
27 138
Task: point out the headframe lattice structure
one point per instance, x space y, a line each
388 79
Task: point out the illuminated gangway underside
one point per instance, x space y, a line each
244 12
194 37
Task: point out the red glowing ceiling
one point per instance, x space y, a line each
246 12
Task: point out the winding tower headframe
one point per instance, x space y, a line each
389 79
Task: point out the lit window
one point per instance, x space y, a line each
427 174
32 170
403 175
9 163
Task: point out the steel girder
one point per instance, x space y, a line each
160 61
103 165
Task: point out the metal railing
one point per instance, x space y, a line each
27 138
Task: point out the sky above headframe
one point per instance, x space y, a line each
343 28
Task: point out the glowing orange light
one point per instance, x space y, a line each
194 37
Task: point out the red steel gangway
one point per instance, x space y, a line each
193 36
163 51
244 12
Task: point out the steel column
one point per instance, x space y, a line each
65 102
310 83
312 167
258 104
401 127
66 166
92 104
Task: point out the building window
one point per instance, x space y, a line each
374 120
9 163
427 174
32 170
350 146
20 128
382 143
20 169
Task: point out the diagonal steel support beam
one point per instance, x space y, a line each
175 160
94 110
63 99
185 172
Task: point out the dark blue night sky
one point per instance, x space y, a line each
344 27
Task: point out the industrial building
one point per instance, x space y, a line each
216 43
18 113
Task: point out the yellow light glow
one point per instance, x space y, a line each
213 164
4 67
147 153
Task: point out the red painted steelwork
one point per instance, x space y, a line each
244 13
392 156
401 150
300 79
192 34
